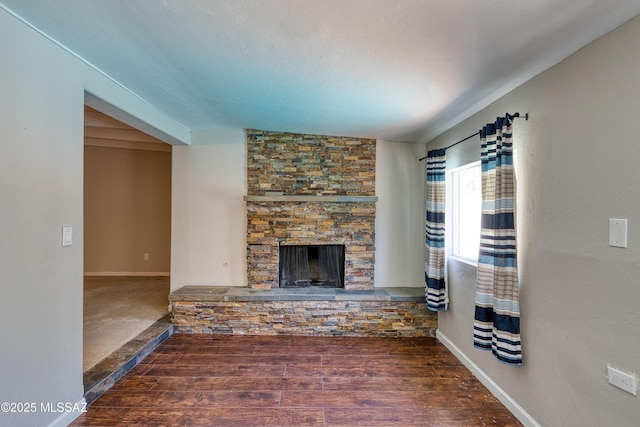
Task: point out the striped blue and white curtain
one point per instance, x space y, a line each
434 267
497 310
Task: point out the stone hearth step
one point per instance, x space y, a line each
302 311
312 293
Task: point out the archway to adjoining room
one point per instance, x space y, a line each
127 234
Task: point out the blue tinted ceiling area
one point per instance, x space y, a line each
404 70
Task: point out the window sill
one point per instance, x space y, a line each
464 260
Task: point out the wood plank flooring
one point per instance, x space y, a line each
219 380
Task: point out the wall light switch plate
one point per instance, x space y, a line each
618 233
67 236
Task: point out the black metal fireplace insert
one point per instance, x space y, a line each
302 266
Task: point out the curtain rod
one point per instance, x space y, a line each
514 115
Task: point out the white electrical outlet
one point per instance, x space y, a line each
623 380
146 257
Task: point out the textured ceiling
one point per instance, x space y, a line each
398 70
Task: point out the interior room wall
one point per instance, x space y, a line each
41 188
399 214
208 210
42 101
127 211
577 165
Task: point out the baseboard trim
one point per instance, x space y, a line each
126 273
517 410
67 418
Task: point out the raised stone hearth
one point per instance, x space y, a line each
391 312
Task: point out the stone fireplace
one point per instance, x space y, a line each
310 190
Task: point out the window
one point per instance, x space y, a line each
466 208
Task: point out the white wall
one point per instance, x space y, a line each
208 212
399 214
42 90
40 191
577 167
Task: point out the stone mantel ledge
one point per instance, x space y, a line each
237 294
309 198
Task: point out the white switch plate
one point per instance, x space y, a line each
67 236
623 380
618 232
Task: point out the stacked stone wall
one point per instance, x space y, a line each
316 166
322 318
299 164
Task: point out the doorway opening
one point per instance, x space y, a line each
127 234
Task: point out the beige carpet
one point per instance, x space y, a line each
117 309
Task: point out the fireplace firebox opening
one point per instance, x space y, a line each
302 266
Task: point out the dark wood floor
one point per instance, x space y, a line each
205 380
